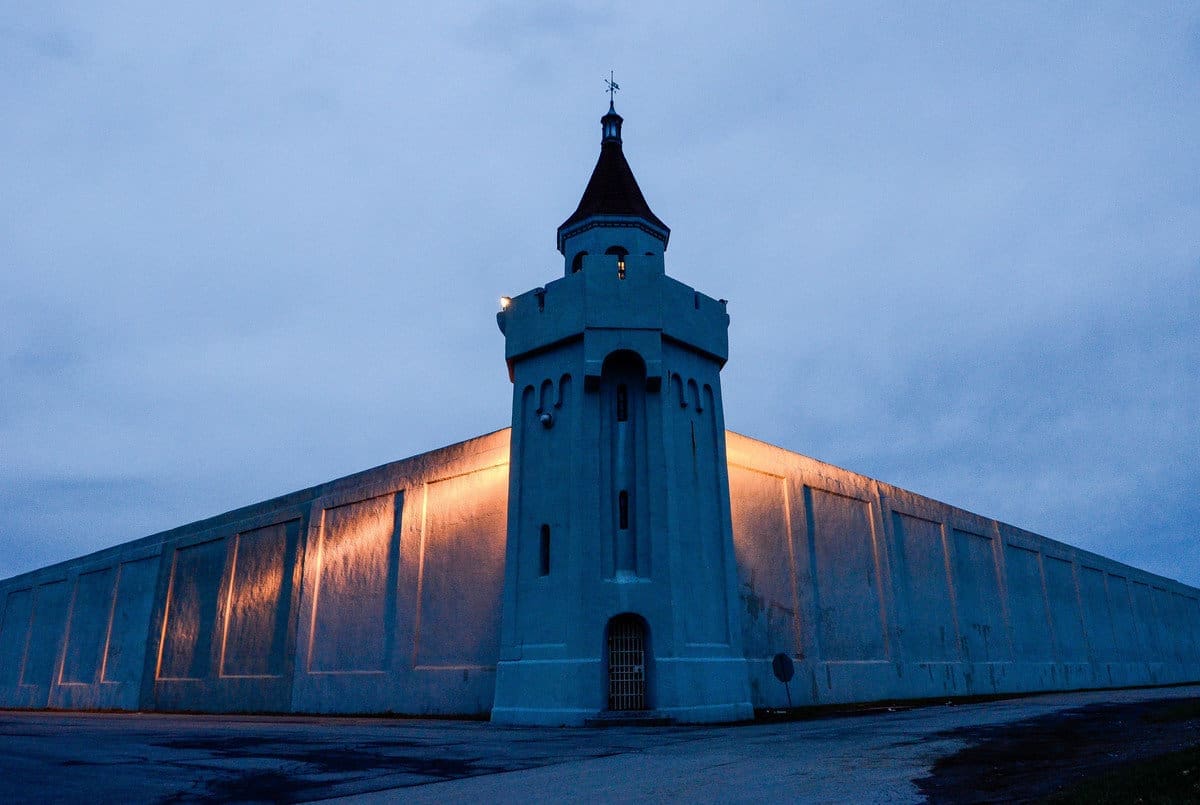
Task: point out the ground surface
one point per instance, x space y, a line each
1011 750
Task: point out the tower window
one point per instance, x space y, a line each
544 551
577 262
623 510
622 403
621 252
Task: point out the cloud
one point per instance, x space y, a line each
248 251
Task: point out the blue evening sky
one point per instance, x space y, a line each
247 248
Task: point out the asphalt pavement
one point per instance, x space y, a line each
1010 749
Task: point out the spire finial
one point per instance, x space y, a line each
611 122
613 86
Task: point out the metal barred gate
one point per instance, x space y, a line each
626 663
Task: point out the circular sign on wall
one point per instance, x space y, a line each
783 667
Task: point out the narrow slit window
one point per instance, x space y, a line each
544 551
620 268
623 510
622 403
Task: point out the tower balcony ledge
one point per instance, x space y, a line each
598 306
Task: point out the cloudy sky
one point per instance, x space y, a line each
244 251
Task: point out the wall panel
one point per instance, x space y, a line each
192 611
766 568
930 631
1124 623
14 635
127 637
1097 618
1168 638
850 618
1032 638
462 571
1065 610
259 597
90 612
355 593
977 591
1145 618
45 633
1191 622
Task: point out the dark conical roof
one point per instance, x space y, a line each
612 190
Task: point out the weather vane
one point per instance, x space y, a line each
613 86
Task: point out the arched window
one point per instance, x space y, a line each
621 252
577 262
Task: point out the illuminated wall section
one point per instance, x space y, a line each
461 563
186 652
378 592
354 587
843 540
255 635
402 583
767 565
223 619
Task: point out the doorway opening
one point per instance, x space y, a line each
627 663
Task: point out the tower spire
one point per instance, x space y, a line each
612 196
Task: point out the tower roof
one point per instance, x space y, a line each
612 190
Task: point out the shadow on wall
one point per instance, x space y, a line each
879 593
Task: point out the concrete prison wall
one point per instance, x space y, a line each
883 594
380 592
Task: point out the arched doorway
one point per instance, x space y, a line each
627 663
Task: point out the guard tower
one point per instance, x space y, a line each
620 582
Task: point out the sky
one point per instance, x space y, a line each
248 248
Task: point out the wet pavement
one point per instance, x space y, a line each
1008 750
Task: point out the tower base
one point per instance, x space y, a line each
571 692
